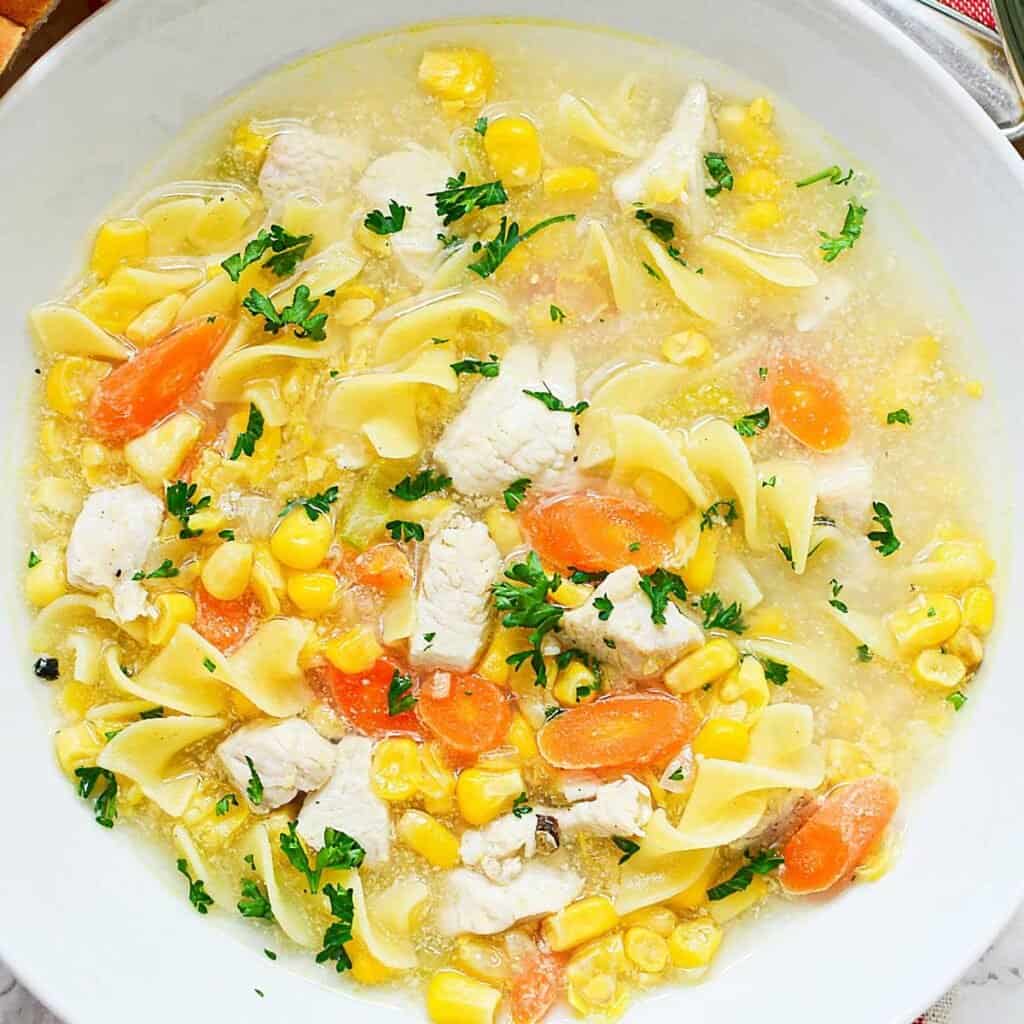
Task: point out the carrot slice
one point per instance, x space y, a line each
383 567
156 381
597 532
624 731
362 698
226 624
837 838
473 716
536 986
809 405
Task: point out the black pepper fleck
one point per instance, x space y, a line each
46 668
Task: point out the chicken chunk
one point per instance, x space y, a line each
109 544
301 161
503 435
289 757
672 176
407 176
845 488
347 803
620 808
642 648
453 602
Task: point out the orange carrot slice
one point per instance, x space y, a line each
836 839
536 985
156 381
809 405
226 624
597 532
383 567
471 717
624 731
362 698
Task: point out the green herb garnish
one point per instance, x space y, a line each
340 850
775 672
833 175
554 403
400 696
105 807
556 314
508 237
224 804
197 894
604 607
837 589
887 542
762 863
718 168
387 224
481 126
457 198
486 368
254 902
339 933
864 652
254 788
958 699
164 571
316 506
749 425
721 513
298 314
412 488
524 601
515 493
659 586
627 846
899 416
660 227
245 443
402 529
33 559
178 497
719 616
833 245
521 806
288 251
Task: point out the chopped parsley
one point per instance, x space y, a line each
339 933
749 425
402 529
105 807
721 513
718 168
554 403
179 497
524 600
556 314
299 314
448 242
429 638
516 492
899 416
662 228
197 894
833 175
254 788
837 589
340 850
224 804
254 902
209 664
481 126
627 846
387 224
609 642
581 576
604 607
270 954
886 541
679 775
719 616
508 237
245 443
521 806
775 672
33 559
833 245
400 696
412 488
164 571
957 698
770 482
552 712
675 254
762 863
762 372
316 506
157 712
659 586
864 652
228 535
650 270
457 198
483 367
288 250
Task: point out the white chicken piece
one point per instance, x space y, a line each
472 903
407 176
289 757
503 435
453 600
620 808
307 162
845 488
348 803
109 544
642 648
499 847
672 176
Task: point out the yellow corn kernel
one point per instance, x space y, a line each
723 738
313 592
457 74
394 773
658 919
456 998
172 610
758 182
694 943
513 148
942 671
576 684
979 609
967 647
503 528
429 838
579 922
646 949
974 389
53 440
928 621
209 520
226 572
769 620
703 666
366 968
685 347
845 762
437 781
302 543
662 493
71 381
482 959
354 651
761 110
738 903
743 131
493 665
45 581
595 978
267 580
700 569
119 241
524 680
761 215
561 180
77 746
249 140
571 595
953 566
157 455
521 736
484 795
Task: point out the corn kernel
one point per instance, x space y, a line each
758 182
71 381
928 621
484 795
685 347
579 922
493 665
77 746
267 580
172 610
770 621
646 949
458 74
366 968
429 838
700 569
967 647
226 572
481 959
456 998
354 651
703 666
521 736
571 595
503 528
209 520
119 241
723 738
747 133
738 903
979 609
302 543
437 781
313 592
45 581
974 389
561 180
394 773
953 566
595 978
658 919
576 684
513 148
761 215
694 943
942 671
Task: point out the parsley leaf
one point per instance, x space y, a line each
226 535
554 403
775 672
833 245
524 600
224 804
339 933
254 902
412 488
457 198
762 863
180 505
769 481
516 492
340 850
717 616
627 846
254 788
288 250
604 607
837 589
556 314
650 270
402 529
749 425
316 506
659 586
580 576
387 224
864 652
553 712
887 542
157 712
712 517
484 368
957 698
245 443
197 894
718 168
508 237
33 559
481 126
298 314
899 416
164 571
833 175
660 227
105 807
400 697
521 806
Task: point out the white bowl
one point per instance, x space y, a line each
96 930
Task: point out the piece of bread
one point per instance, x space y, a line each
18 19
11 36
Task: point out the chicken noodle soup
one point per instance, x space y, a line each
487 524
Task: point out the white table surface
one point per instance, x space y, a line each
992 992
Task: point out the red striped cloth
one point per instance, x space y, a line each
979 10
